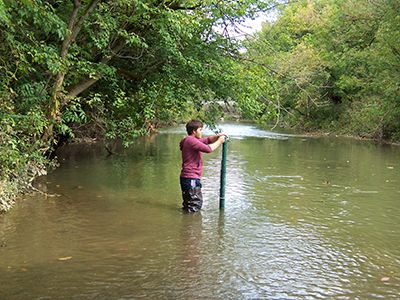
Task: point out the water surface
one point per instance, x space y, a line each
305 218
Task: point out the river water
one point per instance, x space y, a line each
304 218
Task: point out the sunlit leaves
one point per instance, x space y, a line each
3 13
334 64
123 68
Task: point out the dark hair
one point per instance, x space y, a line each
193 125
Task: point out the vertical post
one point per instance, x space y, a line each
223 175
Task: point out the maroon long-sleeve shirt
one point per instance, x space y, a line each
192 162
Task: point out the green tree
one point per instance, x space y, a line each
113 69
333 64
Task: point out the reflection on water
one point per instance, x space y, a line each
305 218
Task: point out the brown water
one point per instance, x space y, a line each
305 218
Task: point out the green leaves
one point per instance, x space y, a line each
21 153
114 69
3 13
31 97
334 64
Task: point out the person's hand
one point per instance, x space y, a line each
221 138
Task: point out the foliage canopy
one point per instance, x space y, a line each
330 65
112 69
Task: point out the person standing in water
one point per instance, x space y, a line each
192 147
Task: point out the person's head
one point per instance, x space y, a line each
194 127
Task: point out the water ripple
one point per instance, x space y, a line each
304 219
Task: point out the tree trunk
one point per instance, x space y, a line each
74 26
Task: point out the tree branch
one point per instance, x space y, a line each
71 24
78 25
74 26
85 83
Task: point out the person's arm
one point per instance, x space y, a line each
211 139
219 140
214 138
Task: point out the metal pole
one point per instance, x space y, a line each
223 175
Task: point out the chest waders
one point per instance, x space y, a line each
192 199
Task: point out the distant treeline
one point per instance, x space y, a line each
331 65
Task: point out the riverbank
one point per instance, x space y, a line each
349 136
20 183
